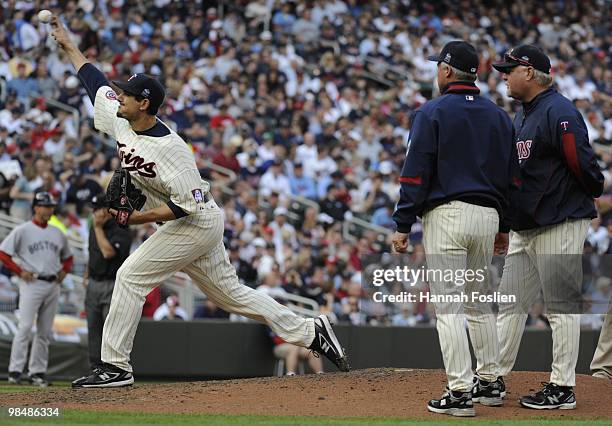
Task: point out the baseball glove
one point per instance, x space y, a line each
123 196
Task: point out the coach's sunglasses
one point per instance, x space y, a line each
510 58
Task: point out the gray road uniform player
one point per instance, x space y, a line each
40 255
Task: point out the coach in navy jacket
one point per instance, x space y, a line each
462 148
560 176
559 171
458 176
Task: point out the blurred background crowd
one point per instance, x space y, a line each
297 111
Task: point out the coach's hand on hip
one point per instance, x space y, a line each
399 242
500 246
26 276
60 276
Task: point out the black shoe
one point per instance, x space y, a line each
107 376
14 378
551 397
39 379
326 343
77 382
453 403
488 393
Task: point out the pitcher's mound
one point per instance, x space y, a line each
382 392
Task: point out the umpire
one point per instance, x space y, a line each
109 246
559 178
457 176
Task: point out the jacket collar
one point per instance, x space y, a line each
530 106
461 87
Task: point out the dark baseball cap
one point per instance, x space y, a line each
44 199
460 55
98 201
526 55
144 86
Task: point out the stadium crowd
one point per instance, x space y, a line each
281 99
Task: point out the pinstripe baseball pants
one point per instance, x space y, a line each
545 258
194 245
602 360
459 236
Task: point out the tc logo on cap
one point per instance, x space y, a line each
447 58
146 93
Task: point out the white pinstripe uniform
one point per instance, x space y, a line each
164 169
459 236
531 265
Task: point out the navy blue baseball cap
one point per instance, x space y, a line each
144 86
460 55
526 55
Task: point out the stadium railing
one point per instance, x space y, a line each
354 228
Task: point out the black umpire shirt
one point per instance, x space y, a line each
101 269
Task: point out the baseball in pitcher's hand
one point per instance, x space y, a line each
59 33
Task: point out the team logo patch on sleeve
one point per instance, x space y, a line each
197 195
111 95
564 125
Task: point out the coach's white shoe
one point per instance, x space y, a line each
326 343
107 376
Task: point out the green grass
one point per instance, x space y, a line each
100 418
6 388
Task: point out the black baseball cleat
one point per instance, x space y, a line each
488 393
551 397
453 403
77 382
39 379
326 343
14 377
106 376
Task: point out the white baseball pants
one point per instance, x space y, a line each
459 236
546 258
194 245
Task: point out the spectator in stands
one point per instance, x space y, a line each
292 355
81 191
274 180
22 85
170 310
208 310
22 194
301 185
333 206
227 157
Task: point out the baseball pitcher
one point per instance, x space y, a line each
159 174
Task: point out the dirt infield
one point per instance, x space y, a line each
382 392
